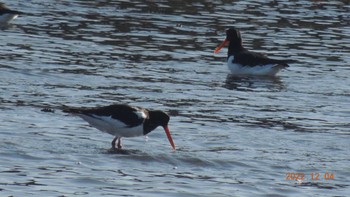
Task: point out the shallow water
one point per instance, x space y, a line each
235 136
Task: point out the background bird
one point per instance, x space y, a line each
6 14
241 61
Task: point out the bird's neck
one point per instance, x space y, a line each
235 47
148 127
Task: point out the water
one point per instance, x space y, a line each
235 136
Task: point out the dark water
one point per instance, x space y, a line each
235 136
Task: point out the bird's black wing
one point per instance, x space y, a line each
5 10
248 58
131 116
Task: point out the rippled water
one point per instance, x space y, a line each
235 136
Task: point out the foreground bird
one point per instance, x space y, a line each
124 121
6 14
243 62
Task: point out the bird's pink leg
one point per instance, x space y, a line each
119 145
113 142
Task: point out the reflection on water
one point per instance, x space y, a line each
253 83
235 135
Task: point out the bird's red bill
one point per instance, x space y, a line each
169 137
221 45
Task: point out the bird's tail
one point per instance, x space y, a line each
283 63
281 66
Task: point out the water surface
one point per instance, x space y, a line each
236 136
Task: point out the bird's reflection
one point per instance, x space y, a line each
253 83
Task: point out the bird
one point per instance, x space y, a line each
6 14
122 120
241 61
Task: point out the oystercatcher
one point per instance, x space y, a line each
243 62
124 121
6 14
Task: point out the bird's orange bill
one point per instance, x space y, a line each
169 137
221 45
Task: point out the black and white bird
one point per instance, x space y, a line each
240 61
6 14
122 120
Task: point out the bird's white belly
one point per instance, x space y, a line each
5 18
112 126
238 69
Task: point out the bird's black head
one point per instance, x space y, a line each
156 118
160 118
233 35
